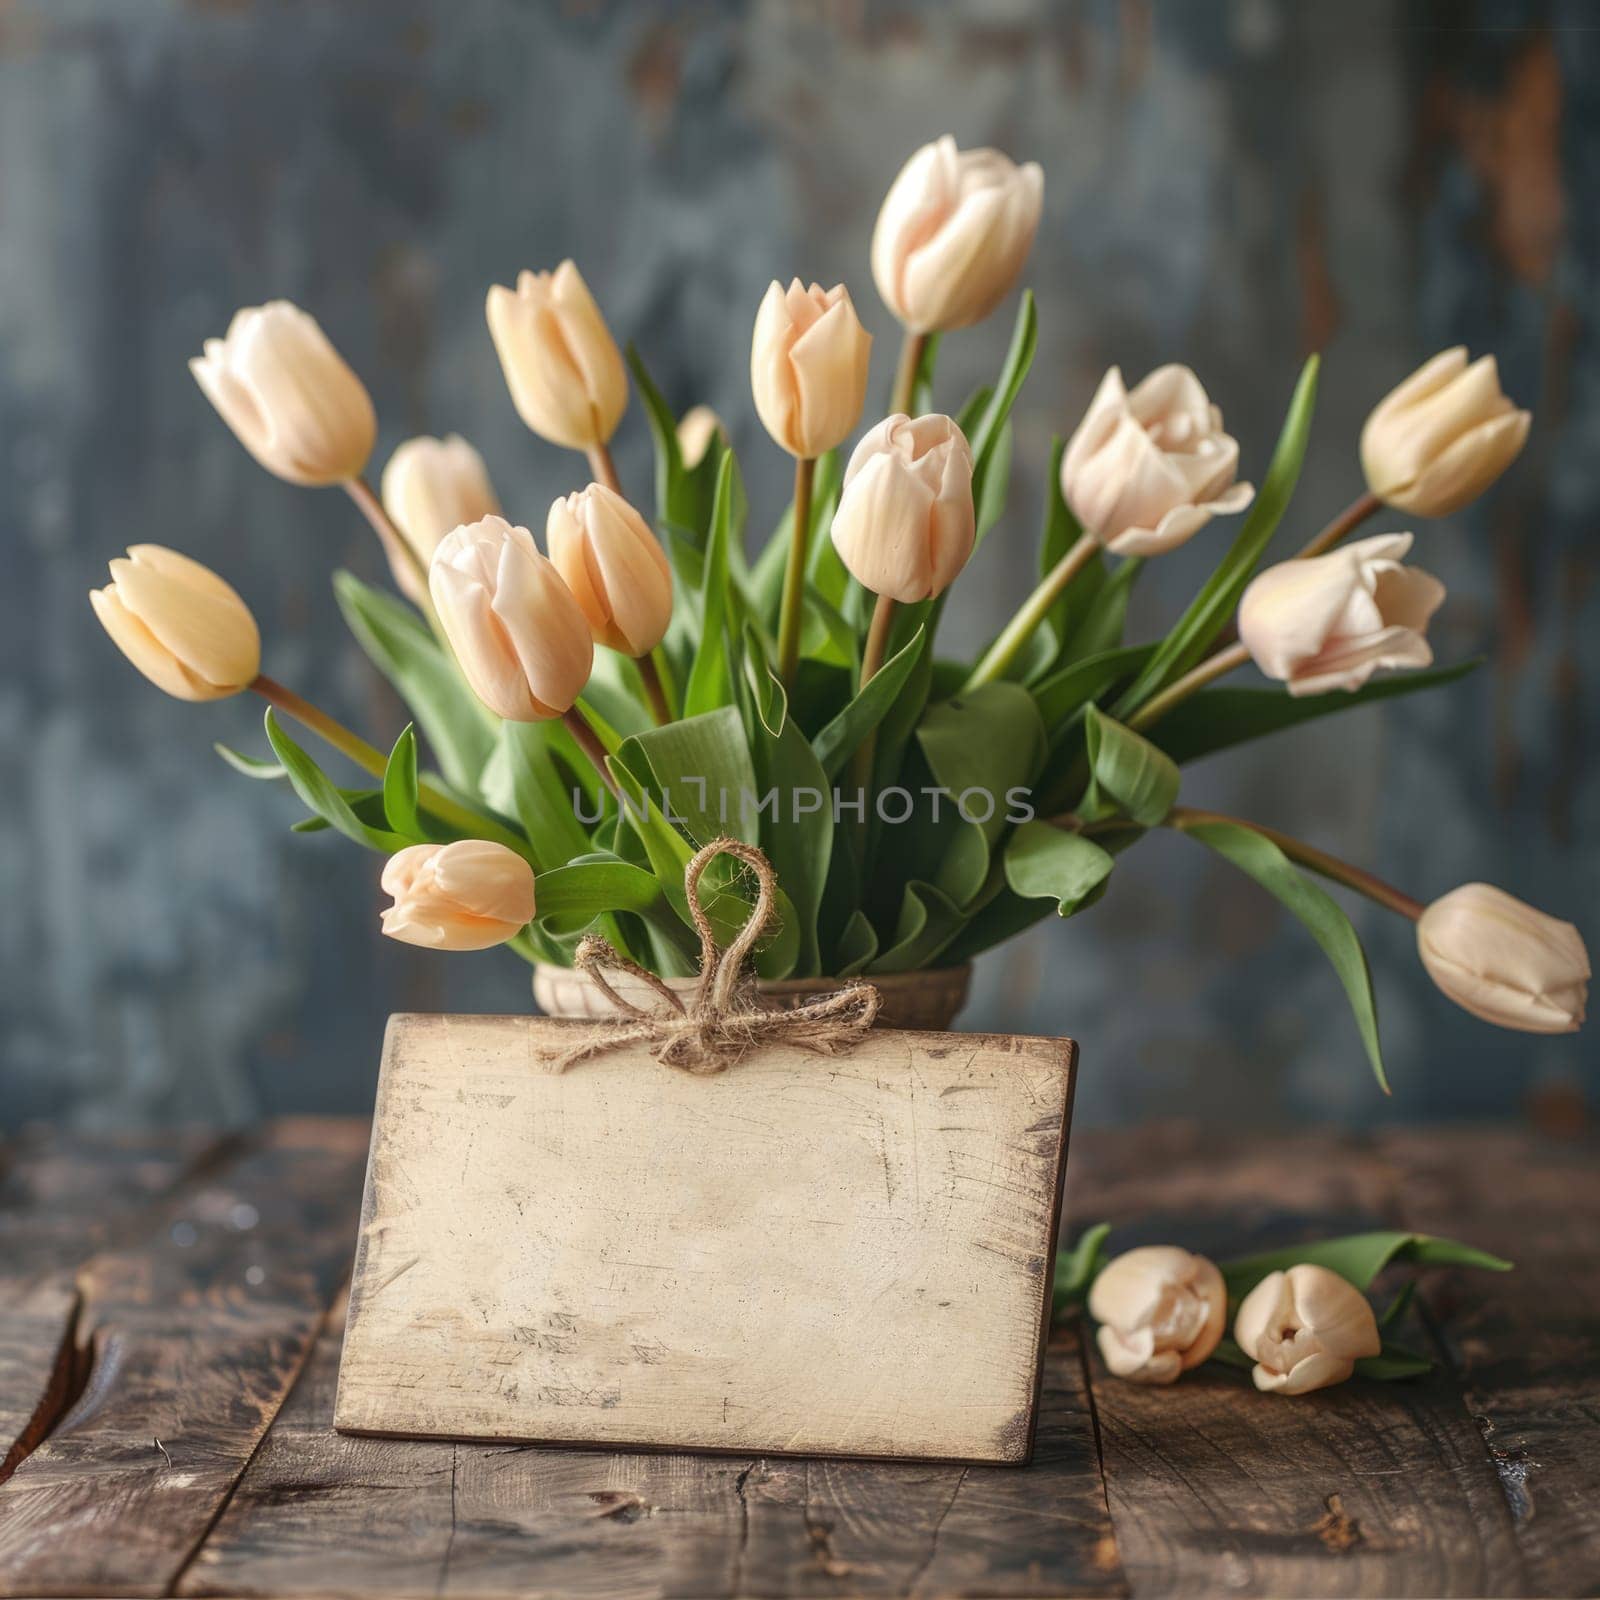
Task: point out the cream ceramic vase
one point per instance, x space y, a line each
925 1001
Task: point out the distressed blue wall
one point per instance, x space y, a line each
1228 184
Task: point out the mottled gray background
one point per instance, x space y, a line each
1229 183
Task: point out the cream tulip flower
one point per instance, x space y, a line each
185 629
1305 1329
1331 621
289 396
520 637
905 521
430 487
560 362
697 428
1504 961
808 367
953 234
1147 469
1161 1311
614 566
469 895
1443 436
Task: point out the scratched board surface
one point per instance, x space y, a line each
1229 183
803 1256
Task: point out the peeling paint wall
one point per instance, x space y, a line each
1229 183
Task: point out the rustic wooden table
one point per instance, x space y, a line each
169 1340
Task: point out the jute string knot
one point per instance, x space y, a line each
724 1016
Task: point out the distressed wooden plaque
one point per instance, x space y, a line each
810 1255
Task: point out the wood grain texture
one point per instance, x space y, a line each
194 1337
803 1255
327 1514
1366 1489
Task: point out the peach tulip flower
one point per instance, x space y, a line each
520 637
1146 470
1161 1311
289 396
808 367
1504 961
1305 1329
614 566
463 896
185 629
953 234
697 428
431 487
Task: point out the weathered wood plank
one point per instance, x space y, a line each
1526 1345
1369 1489
194 1338
807 1256
338 1515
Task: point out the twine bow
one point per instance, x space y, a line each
723 1018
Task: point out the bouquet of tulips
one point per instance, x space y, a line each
594 712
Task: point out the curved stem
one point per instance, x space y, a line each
1035 608
1341 527
601 467
872 658
905 376
1318 861
588 741
1196 678
655 690
369 758
791 612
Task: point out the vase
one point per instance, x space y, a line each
927 1001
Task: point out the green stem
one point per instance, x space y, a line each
1196 678
1342 526
370 759
1318 861
588 741
872 658
1034 610
905 376
792 608
655 690
602 468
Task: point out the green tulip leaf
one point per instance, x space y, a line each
1047 863
1126 766
323 797
1358 1257
839 740
400 787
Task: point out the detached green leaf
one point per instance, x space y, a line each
1358 1257
322 796
1077 1268
1211 609
1140 778
1046 863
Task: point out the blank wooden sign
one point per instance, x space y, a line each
812 1255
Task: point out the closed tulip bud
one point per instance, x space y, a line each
1331 621
288 395
521 639
695 432
1161 1311
1147 470
904 526
561 364
179 624
614 566
808 367
1305 1329
953 234
1438 441
1505 962
463 896
430 487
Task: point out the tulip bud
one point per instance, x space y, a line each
431 486
1146 471
288 395
561 364
185 629
1440 439
521 639
1161 1311
1331 621
808 367
1305 1329
953 234
904 526
463 896
1505 962
697 429
614 566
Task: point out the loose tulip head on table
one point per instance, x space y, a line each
588 714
